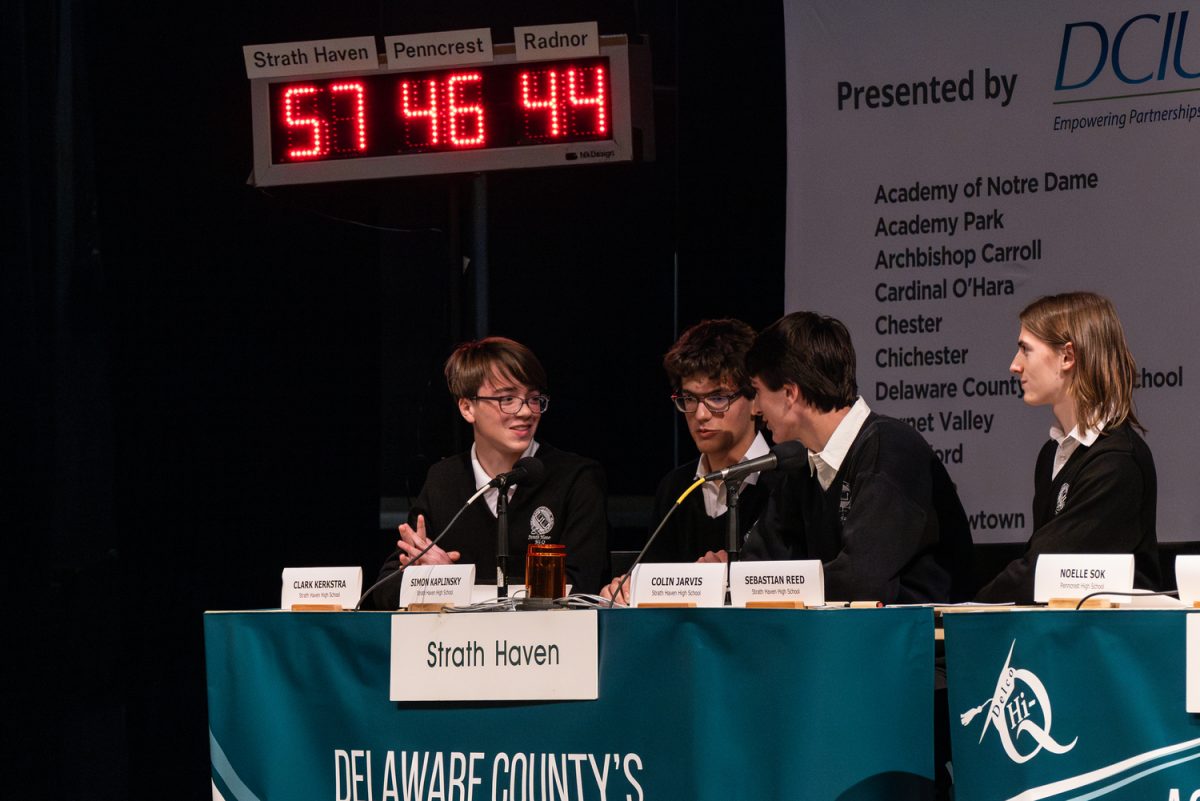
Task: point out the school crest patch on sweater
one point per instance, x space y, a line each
541 523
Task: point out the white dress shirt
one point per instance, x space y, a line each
713 492
482 478
1068 443
826 463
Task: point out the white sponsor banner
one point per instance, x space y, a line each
1074 575
539 42
699 583
321 586
310 58
512 656
437 584
949 161
796 580
412 51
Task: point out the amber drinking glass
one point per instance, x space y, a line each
546 571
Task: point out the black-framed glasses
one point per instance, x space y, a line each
717 402
511 404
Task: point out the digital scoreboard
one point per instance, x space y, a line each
504 114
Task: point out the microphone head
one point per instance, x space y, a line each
789 455
528 472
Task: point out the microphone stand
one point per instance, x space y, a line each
732 536
502 541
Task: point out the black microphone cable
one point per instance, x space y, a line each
390 576
1134 594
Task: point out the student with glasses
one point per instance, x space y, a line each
500 389
712 393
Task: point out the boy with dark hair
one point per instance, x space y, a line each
710 388
500 389
876 504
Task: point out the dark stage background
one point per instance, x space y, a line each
207 382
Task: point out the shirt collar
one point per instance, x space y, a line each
481 476
844 435
757 448
1087 437
714 493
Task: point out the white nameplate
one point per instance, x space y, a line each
798 580
323 586
1187 578
541 42
1193 662
438 49
699 583
502 656
308 58
1074 575
437 584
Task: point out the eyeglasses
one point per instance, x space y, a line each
718 402
511 404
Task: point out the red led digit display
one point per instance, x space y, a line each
547 103
413 109
467 127
465 108
321 121
596 103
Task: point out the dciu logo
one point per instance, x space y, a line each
1017 704
1088 47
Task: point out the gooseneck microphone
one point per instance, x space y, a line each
529 471
784 456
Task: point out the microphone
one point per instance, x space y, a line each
528 471
784 456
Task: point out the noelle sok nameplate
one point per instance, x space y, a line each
498 656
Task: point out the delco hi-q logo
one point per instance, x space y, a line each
1017 705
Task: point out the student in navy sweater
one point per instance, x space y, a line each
500 389
1095 489
710 389
875 505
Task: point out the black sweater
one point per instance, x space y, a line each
890 527
1104 500
569 502
691 532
